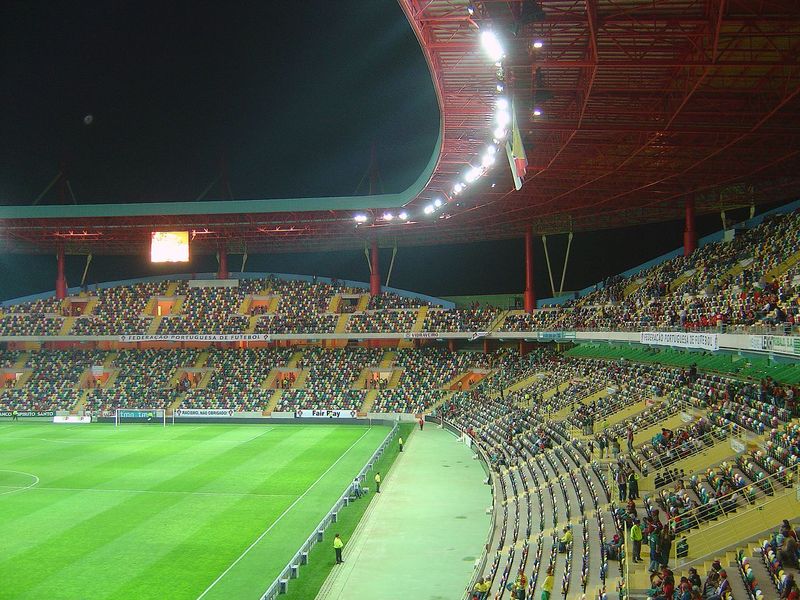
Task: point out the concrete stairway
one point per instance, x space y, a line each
153 327
171 288
270 380
369 401
341 323
363 302
176 404
681 279
333 305
66 325
388 359
244 307
273 401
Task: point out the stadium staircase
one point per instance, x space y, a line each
22 360
172 287
108 361
361 381
363 302
273 402
270 380
388 359
524 382
66 325
89 308
341 323
178 306
632 287
153 327
251 325
300 382
112 378
422 314
295 359
498 321
333 305
783 267
80 405
369 401
201 360
150 307
272 308
205 379
394 380
445 397
736 269
176 404
244 308
681 279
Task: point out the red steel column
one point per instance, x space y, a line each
222 270
689 233
530 293
375 275
61 280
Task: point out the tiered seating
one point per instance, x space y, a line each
237 379
331 376
389 321
30 324
52 385
458 319
143 380
119 310
207 310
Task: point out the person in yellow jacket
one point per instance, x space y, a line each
338 544
636 541
378 482
401 444
547 586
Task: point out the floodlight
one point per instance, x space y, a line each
428 209
492 46
360 218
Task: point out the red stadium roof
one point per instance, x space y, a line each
643 104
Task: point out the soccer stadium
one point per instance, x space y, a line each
548 346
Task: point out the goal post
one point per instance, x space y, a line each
141 415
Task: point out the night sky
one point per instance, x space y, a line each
290 96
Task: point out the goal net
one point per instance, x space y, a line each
156 416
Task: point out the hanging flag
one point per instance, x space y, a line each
515 151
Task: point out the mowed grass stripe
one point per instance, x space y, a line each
138 545
251 575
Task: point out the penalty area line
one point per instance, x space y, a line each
283 514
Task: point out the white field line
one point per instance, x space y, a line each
276 521
17 488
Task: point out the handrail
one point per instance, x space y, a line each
275 588
772 479
480 565
757 511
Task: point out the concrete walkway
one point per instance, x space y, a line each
420 538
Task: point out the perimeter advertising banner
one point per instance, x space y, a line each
326 414
214 413
779 344
681 339
197 337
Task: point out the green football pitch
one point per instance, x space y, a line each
179 512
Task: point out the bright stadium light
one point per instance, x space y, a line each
487 160
428 209
502 104
403 216
387 216
537 112
360 218
491 150
438 203
538 44
503 118
500 133
472 174
492 46
458 188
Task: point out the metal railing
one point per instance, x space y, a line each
290 571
